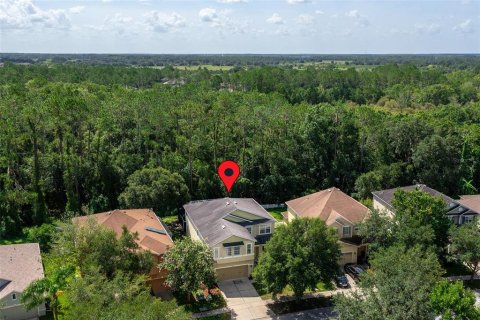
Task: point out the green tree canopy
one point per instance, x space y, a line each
465 246
124 298
299 254
421 219
189 264
453 301
94 247
397 288
157 188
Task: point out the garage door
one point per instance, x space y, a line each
347 257
232 273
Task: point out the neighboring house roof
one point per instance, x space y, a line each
386 196
208 217
152 234
330 205
471 202
20 264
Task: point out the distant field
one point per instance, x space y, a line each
209 67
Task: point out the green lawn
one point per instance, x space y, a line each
170 219
277 213
289 292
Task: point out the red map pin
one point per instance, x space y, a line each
228 172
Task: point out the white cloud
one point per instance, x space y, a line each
431 28
319 12
352 14
119 23
232 1
208 14
162 22
76 10
360 20
23 14
275 19
305 19
297 1
221 20
464 27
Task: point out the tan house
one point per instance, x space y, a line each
236 229
458 211
339 211
20 264
153 236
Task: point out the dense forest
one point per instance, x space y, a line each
79 138
460 61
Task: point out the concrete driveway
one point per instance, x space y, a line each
243 300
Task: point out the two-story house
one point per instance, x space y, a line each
153 236
458 211
236 229
339 211
20 264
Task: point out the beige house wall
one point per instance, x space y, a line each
224 259
191 231
381 208
290 214
13 310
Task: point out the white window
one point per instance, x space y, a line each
346 230
265 229
233 251
467 219
14 296
215 253
249 229
249 248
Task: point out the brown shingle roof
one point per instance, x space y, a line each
136 220
328 203
472 202
20 264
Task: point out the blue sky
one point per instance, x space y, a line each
240 26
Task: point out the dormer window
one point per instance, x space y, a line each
346 231
265 229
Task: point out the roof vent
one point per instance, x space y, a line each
223 226
235 202
152 229
228 203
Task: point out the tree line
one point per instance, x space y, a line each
77 139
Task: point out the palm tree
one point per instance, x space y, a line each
46 289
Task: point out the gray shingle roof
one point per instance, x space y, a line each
386 196
208 217
20 264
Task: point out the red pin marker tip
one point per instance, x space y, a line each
228 172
